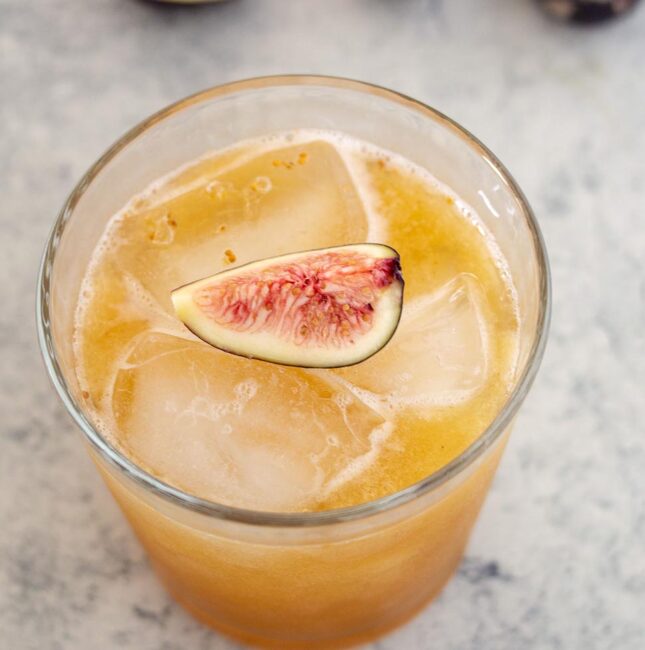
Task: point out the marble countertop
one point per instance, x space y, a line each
557 560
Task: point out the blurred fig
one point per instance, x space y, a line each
587 11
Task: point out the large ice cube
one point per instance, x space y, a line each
289 199
438 356
237 431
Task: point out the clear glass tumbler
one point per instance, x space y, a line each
324 579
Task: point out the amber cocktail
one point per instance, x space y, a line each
289 506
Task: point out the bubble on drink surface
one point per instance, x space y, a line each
262 184
161 229
219 189
245 390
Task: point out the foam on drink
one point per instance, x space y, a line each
262 436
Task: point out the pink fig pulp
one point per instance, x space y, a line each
323 308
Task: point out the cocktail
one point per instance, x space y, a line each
291 502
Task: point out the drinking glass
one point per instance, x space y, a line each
312 579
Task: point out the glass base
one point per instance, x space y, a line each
351 641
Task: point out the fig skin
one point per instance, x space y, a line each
312 325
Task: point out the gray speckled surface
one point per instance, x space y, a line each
558 558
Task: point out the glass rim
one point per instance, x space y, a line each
292 519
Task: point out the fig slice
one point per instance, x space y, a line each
323 308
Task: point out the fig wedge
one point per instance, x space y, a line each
323 308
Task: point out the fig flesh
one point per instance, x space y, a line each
324 308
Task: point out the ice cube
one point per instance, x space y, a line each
289 199
438 356
118 310
238 431
279 202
